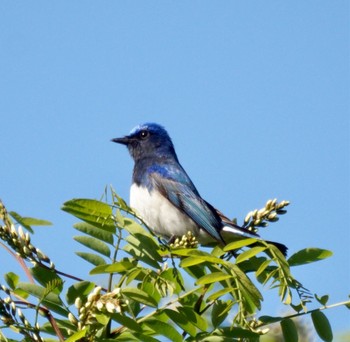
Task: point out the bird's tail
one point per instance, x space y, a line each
282 248
232 230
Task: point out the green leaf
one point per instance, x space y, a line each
193 317
40 292
308 255
117 267
11 280
322 326
252 264
173 278
20 293
347 305
195 271
239 244
98 233
143 338
134 308
119 201
197 254
298 307
189 300
94 244
213 278
263 267
228 333
139 296
289 330
249 254
269 319
137 273
97 213
80 289
220 311
144 248
182 321
45 276
147 244
164 329
322 300
102 318
127 336
219 293
27 222
77 336
50 300
63 324
127 322
270 272
251 294
134 228
141 255
93 259
217 251
191 261
149 287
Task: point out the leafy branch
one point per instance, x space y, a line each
153 290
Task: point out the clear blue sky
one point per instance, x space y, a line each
254 94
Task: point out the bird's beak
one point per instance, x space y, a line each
123 140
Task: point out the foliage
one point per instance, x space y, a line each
147 297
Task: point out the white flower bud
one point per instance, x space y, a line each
97 290
90 298
13 230
26 251
110 307
116 291
272 216
41 255
20 313
99 305
268 204
78 303
4 288
71 318
20 233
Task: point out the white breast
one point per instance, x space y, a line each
161 216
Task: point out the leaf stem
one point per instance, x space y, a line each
347 302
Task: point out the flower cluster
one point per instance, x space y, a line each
20 241
97 303
186 241
261 217
9 313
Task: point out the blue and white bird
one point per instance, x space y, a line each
165 197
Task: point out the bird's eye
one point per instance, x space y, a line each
144 134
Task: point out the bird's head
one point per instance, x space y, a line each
148 140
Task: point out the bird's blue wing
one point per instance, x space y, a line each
176 186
